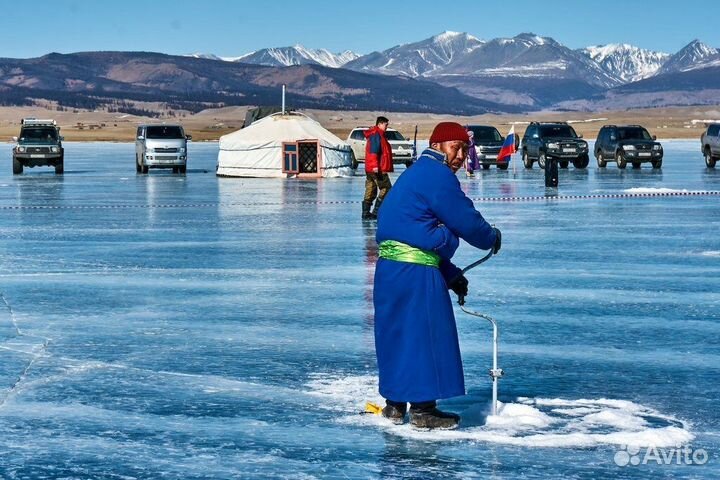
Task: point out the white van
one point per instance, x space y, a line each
161 146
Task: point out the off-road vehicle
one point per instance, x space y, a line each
710 142
558 140
402 148
39 144
625 144
488 143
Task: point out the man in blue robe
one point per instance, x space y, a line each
419 227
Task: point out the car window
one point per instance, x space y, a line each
486 134
550 131
633 133
164 132
714 130
357 135
530 132
38 134
394 135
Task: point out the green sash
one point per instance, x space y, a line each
400 252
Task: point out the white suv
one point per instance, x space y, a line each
402 148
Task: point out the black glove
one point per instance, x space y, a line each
459 285
498 241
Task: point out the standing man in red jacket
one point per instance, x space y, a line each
378 163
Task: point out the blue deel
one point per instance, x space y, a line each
416 339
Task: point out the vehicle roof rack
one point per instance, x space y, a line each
35 121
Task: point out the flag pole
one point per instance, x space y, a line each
514 162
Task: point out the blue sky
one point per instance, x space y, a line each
230 28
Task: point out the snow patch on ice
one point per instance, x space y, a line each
642 190
527 422
711 253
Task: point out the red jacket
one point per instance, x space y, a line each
378 152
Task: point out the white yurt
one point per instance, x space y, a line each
284 145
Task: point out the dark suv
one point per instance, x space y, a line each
627 143
39 144
544 141
710 142
488 142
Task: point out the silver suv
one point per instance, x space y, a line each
710 141
161 146
401 147
39 144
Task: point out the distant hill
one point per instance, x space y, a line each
452 72
91 79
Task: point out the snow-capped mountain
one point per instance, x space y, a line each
287 56
297 55
529 55
206 56
626 62
692 56
418 58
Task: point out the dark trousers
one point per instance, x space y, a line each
374 183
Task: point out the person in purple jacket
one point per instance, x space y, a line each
421 223
472 162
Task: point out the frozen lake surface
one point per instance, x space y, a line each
190 327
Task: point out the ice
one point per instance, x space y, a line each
195 327
527 422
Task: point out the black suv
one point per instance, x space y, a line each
543 141
488 143
627 143
39 144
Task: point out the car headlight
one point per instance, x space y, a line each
21 149
583 145
657 147
628 147
149 150
54 149
182 149
553 145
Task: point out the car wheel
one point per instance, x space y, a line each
176 169
600 160
60 167
138 168
17 166
564 164
709 160
503 166
183 169
656 163
486 166
620 159
526 160
353 160
144 169
541 161
584 161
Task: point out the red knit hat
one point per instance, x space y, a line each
448 132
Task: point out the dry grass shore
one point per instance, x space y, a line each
685 122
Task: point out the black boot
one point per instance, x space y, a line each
366 214
426 415
376 210
395 411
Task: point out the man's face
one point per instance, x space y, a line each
456 152
382 126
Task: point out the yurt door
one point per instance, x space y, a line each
308 156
